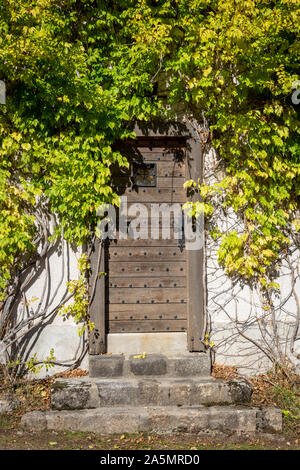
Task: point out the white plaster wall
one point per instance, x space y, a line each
233 310
55 331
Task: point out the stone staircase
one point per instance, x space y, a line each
154 393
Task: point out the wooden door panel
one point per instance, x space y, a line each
148 210
144 242
119 253
146 268
150 295
171 169
170 182
165 168
124 182
160 282
146 326
161 195
158 155
151 233
139 311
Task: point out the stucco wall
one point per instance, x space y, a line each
240 328
236 311
53 330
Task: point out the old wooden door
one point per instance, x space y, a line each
146 287
151 284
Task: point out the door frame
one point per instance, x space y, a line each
196 279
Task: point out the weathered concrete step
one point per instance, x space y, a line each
85 392
185 365
158 420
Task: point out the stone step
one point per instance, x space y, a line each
160 420
86 392
185 365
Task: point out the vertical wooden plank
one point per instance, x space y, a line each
97 299
195 258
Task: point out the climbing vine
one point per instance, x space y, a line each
234 64
78 308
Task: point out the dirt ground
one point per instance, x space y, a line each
36 396
13 437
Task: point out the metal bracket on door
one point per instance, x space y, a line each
181 243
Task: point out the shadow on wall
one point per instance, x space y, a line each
37 327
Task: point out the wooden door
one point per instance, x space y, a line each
146 288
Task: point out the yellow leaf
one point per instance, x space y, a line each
207 72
